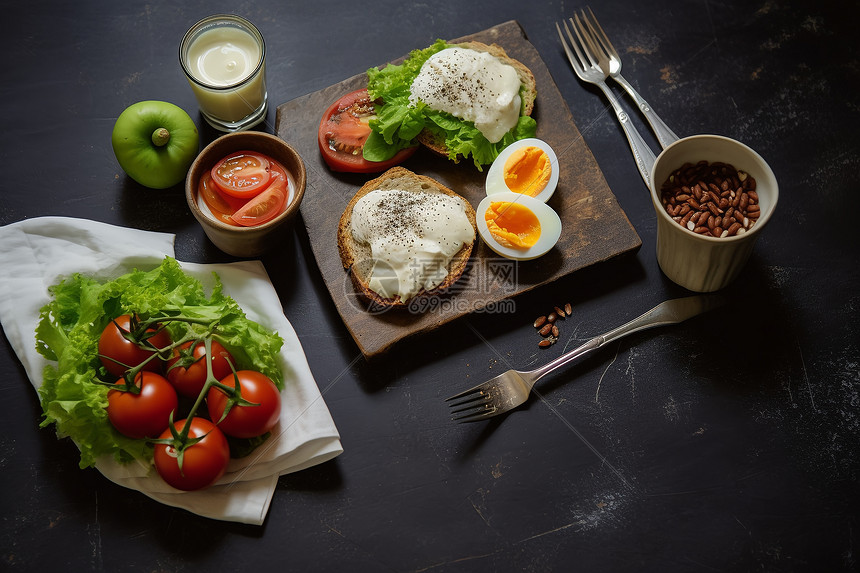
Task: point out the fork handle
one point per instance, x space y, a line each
668 312
564 360
641 152
664 134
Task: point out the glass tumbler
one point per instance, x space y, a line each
224 59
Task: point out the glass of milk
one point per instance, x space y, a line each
224 59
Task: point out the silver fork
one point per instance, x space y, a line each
593 67
664 134
512 388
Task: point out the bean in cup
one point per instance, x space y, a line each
713 199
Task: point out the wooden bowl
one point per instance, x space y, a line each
246 241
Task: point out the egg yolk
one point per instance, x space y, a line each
513 225
527 170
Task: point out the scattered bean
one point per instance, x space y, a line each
548 325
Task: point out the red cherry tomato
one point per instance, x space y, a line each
118 353
144 414
343 131
243 174
246 421
187 369
265 206
202 463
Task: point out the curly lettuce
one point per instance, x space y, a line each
398 123
68 333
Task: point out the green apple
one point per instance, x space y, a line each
155 143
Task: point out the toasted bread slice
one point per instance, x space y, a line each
356 257
436 142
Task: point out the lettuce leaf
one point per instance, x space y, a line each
397 123
69 329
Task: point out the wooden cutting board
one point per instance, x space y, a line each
594 227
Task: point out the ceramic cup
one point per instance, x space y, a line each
247 241
706 263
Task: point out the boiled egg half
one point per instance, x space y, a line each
517 226
528 166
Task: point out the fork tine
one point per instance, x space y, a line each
473 390
476 417
588 29
564 43
579 62
470 402
598 32
585 39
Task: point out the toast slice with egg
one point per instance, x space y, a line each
436 142
357 257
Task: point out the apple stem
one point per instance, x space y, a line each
160 137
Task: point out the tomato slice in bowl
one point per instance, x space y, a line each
220 204
344 129
277 170
265 206
244 174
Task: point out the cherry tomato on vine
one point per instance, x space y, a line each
186 370
246 421
202 463
118 353
143 414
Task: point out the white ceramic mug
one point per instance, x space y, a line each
698 262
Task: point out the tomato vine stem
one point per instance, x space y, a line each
140 332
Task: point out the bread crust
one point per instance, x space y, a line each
356 258
436 144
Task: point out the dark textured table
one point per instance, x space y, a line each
727 443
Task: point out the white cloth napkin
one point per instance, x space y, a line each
37 253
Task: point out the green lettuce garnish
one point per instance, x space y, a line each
68 333
397 123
